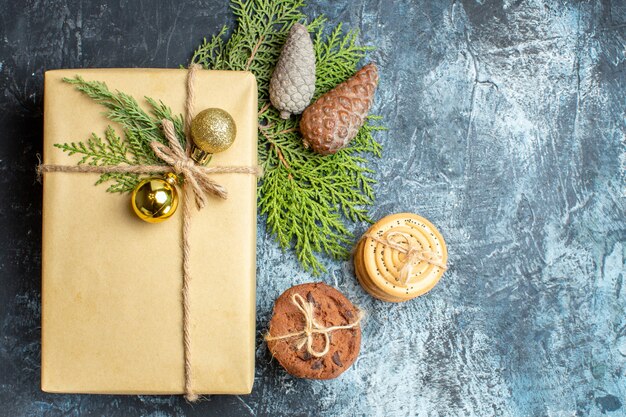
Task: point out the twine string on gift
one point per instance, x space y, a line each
144 169
197 185
312 327
190 395
413 251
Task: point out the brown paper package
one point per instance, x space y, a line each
111 284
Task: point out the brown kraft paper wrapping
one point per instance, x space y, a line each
111 283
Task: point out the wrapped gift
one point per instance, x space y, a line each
111 284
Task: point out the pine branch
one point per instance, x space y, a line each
307 198
140 129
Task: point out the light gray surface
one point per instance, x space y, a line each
506 131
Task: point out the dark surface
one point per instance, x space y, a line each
506 130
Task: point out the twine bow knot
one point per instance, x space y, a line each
196 175
312 327
413 251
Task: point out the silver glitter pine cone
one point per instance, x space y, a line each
293 82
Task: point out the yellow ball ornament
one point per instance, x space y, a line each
155 199
212 130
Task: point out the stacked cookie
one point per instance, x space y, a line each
400 257
315 331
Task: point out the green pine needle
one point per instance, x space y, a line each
140 128
307 198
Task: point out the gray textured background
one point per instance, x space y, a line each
507 130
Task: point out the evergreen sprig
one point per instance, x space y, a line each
140 128
307 198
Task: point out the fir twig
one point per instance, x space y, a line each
140 129
307 198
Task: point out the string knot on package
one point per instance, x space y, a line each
198 176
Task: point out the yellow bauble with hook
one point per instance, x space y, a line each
212 130
155 199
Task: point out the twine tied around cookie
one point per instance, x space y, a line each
312 327
197 185
413 251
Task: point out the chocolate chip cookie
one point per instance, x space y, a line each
333 340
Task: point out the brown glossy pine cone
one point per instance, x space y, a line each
293 81
335 118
